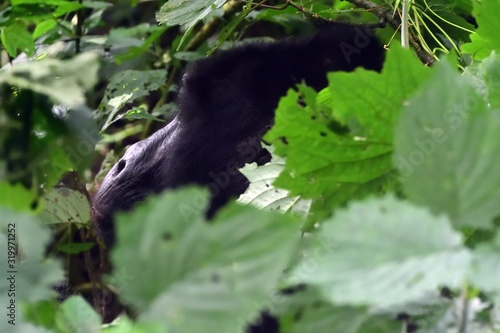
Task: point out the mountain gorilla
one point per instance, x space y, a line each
226 104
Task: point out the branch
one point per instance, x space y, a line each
385 14
210 27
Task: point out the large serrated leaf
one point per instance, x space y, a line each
64 80
333 168
489 26
447 150
221 274
188 12
76 312
263 195
382 252
28 274
127 86
65 205
486 266
372 102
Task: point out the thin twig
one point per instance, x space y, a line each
79 28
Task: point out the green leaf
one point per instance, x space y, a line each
23 237
140 113
321 164
263 195
41 313
230 28
486 267
383 252
126 87
187 13
333 168
130 37
16 197
372 111
75 314
181 12
65 205
325 318
41 141
64 7
75 248
125 325
64 80
218 273
489 70
487 20
20 326
305 311
43 27
136 40
478 47
447 149
17 37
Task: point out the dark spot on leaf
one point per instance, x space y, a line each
34 204
446 293
298 315
317 304
216 278
284 140
313 117
293 289
411 328
167 236
322 134
26 75
403 316
64 191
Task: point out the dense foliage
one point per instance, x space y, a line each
378 213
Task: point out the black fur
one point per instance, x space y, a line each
226 104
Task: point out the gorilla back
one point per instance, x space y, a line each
226 104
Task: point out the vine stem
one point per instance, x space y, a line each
386 14
405 38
